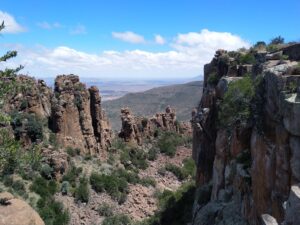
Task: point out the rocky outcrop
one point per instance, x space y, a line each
71 111
32 97
135 129
129 131
77 117
14 211
252 165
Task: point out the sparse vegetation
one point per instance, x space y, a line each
235 106
117 220
72 175
134 157
115 186
168 142
277 40
247 58
82 192
105 210
73 151
174 207
176 170
51 211
213 79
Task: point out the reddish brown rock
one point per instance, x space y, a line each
252 166
135 129
77 117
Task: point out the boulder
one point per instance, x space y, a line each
17 212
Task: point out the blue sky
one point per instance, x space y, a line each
138 39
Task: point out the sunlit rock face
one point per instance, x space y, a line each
136 129
252 167
71 111
77 117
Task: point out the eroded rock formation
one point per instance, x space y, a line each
77 117
252 169
135 129
71 111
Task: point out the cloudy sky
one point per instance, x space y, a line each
137 39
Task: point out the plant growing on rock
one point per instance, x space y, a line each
82 192
105 210
235 106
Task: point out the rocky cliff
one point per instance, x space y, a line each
246 138
71 111
136 129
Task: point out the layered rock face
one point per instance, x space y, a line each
71 111
135 129
250 170
77 117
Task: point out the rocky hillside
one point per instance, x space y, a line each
72 113
246 138
182 97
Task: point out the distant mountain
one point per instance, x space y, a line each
182 97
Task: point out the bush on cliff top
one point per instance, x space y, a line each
235 106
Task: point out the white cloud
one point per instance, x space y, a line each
129 36
188 53
159 39
79 29
11 25
49 26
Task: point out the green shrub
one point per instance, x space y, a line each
30 123
52 212
189 167
73 151
8 180
115 186
46 171
19 187
82 192
147 181
162 171
176 170
130 176
134 157
175 208
53 140
152 154
235 106
118 143
117 220
212 79
277 40
105 210
65 187
272 48
43 187
247 58
72 175
168 142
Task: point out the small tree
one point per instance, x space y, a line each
277 40
9 148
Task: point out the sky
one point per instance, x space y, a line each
137 39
